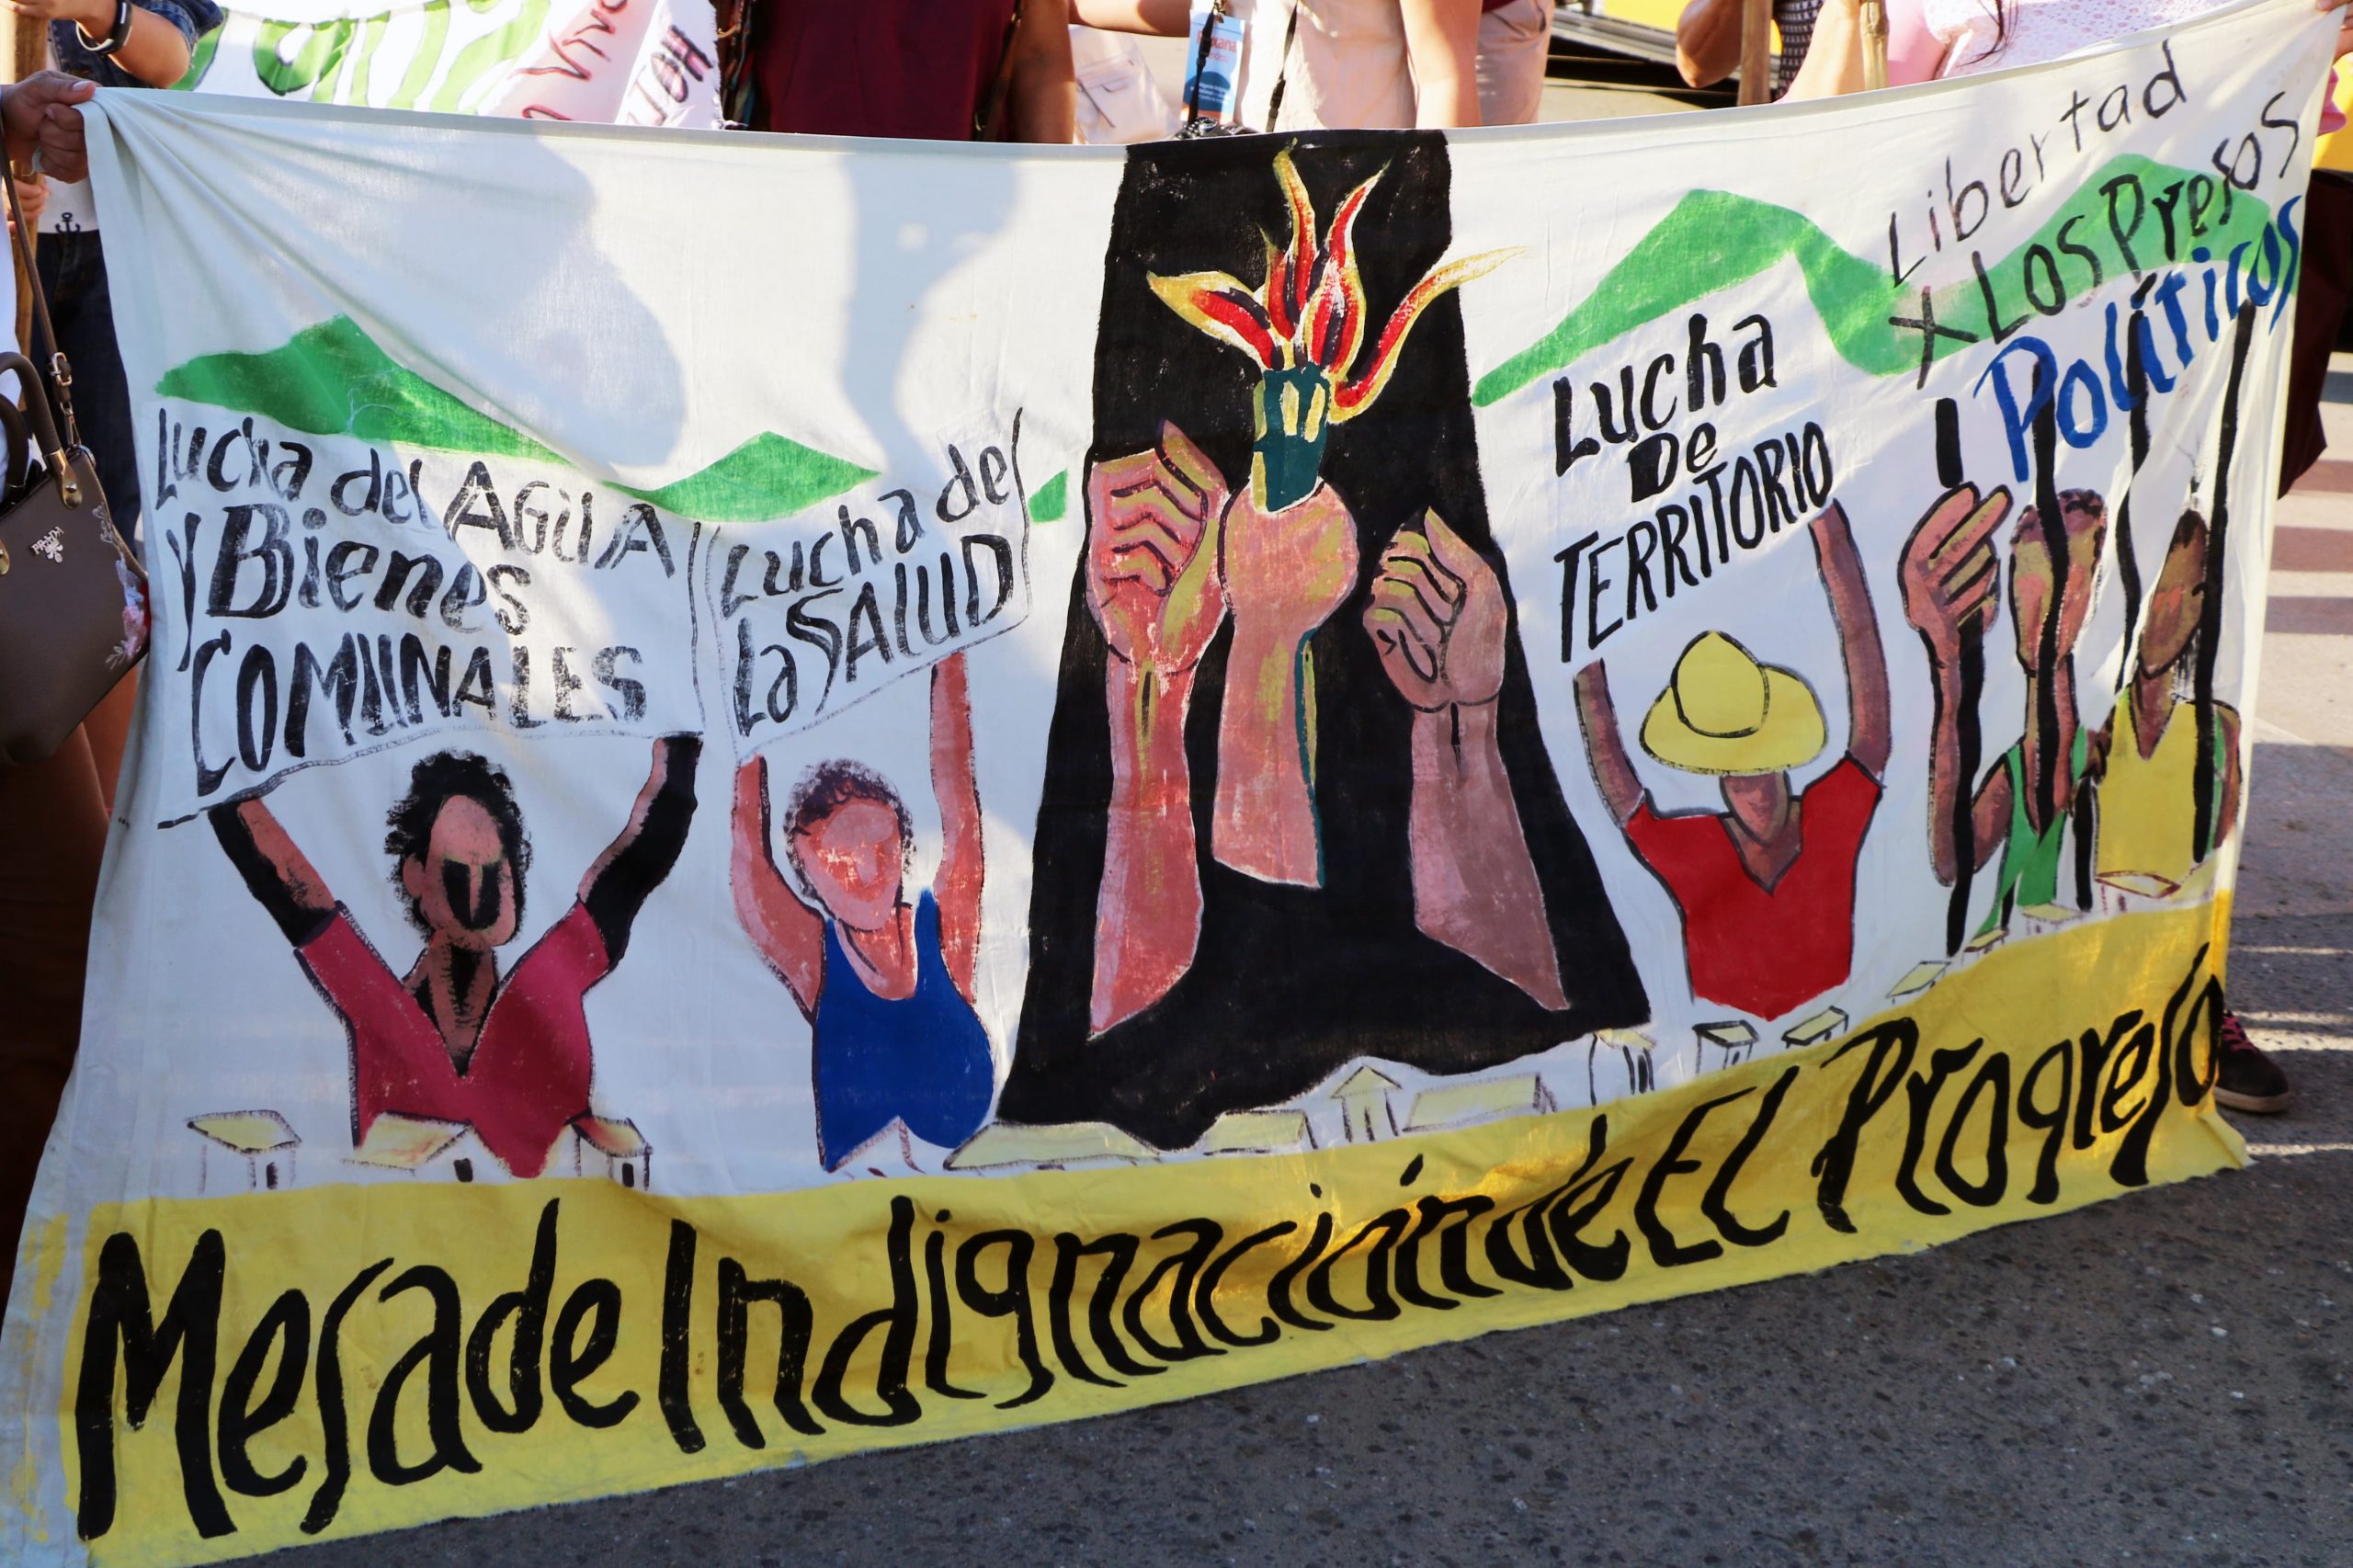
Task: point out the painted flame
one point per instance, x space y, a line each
1309 308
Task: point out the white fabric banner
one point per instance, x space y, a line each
795 794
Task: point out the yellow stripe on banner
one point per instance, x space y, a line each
325 1362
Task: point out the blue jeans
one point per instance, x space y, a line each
74 275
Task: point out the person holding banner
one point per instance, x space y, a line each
115 43
52 814
453 1039
1369 64
941 70
1931 39
887 986
1766 886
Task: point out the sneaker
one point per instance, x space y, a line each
2249 1080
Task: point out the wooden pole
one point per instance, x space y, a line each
1874 19
1756 52
27 52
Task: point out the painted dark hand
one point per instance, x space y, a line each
1439 618
1949 573
1152 549
1286 572
275 869
619 881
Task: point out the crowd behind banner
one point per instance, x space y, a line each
1323 646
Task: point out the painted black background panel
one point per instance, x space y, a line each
1289 983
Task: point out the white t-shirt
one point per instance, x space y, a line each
69 207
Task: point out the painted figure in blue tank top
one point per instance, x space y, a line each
885 983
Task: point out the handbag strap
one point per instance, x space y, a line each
1282 67
59 378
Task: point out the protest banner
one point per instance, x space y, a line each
1174 764
620 62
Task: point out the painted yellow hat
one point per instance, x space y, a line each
1724 712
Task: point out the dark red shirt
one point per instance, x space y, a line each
528 1077
1766 951
906 68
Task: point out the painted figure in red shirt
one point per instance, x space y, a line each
453 1039
1766 886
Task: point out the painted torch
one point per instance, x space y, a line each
1304 326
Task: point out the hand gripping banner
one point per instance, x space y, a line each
800 795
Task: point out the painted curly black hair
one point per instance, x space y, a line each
825 790
433 783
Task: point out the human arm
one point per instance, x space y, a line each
157 50
1950 577
1285 573
1613 771
39 116
788 934
277 873
1041 83
1159 18
1858 644
1834 61
1707 40
958 887
1439 617
616 887
1154 522
1442 53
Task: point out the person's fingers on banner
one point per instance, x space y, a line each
39 114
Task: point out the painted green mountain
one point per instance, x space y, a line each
333 380
1713 239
